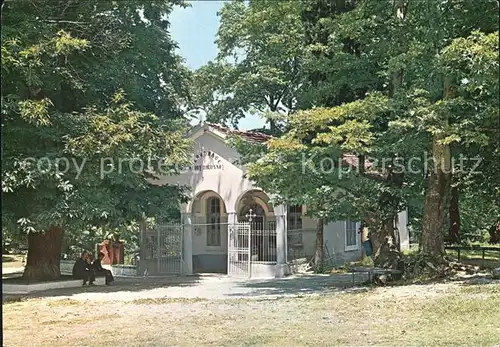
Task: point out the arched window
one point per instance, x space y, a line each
294 217
213 221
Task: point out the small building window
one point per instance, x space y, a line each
351 235
294 217
213 221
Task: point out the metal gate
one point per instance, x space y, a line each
239 250
162 249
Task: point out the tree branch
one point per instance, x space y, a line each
65 21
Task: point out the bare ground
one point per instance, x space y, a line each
261 313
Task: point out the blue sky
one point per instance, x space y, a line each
195 28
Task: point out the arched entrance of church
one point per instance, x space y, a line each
255 209
210 227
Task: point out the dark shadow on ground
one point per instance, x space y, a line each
18 279
294 286
476 279
16 274
291 286
320 285
303 285
474 257
479 280
121 284
486 264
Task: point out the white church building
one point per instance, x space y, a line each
230 226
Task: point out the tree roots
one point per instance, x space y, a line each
419 267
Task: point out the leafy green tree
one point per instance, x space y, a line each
90 96
439 106
345 64
472 62
259 65
420 83
342 65
407 99
309 166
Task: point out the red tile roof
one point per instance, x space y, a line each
353 160
250 135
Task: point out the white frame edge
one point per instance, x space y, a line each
358 243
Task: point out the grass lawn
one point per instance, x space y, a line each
471 257
474 257
448 314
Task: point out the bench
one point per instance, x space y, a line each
66 268
472 248
373 271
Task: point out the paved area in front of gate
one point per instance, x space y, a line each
440 314
209 286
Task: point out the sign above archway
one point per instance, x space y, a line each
201 158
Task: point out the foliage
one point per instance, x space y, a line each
258 69
374 87
87 88
474 62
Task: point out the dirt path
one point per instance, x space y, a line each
211 287
213 311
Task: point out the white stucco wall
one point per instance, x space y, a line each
214 171
334 239
227 181
200 238
402 225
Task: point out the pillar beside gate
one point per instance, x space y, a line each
232 220
187 250
142 249
280 212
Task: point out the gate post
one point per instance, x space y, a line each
158 248
232 234
187 246
249 250
142 266
280 212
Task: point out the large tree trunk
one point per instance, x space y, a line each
385 249
495 233
44 253
436 193
438 186
454 215
400 8
385 242
319 255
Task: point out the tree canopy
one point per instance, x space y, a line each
371 103
91 95
396 82
259 66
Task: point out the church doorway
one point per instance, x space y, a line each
255 211
210 230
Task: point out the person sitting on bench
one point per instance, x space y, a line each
82 270
97 266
